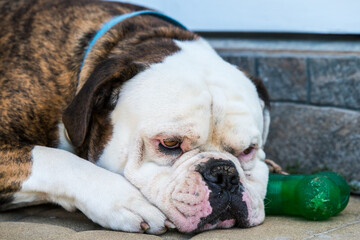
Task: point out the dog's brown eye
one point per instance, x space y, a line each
248 150
248 154
170 146
171 143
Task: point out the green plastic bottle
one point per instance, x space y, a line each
316 197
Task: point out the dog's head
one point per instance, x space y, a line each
187 131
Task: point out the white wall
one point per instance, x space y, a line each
294 16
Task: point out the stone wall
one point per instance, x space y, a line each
314 88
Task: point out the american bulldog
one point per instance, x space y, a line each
146 129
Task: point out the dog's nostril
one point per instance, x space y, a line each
220 173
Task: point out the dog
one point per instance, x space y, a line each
146 130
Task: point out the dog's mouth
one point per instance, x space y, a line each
208 209
229 210
226 196
210 197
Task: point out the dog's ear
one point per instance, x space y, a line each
265 104
97 89
264 100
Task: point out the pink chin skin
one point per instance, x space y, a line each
189 203
226 224
223 224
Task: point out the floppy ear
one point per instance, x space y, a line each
265 104
109 74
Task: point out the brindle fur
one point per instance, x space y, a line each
42 43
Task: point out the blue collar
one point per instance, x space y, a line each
115 20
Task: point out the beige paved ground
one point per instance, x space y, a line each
51 222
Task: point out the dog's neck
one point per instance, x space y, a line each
124 37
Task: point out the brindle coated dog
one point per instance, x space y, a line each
169 129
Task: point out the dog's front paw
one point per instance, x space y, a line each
114 203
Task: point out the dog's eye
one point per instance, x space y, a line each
248 154
170 143
170 146
248 150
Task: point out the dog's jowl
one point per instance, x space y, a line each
150 127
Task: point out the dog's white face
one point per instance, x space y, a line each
189 132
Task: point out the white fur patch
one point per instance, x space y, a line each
107 198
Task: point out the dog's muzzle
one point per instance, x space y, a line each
226 195
207 192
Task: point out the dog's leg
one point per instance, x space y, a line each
61 177
15 167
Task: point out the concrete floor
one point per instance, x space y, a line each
51 222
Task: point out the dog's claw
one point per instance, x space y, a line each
144 226
169 224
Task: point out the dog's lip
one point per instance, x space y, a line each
217 216
189 201
224 210
214 218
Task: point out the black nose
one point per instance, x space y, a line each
220 173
